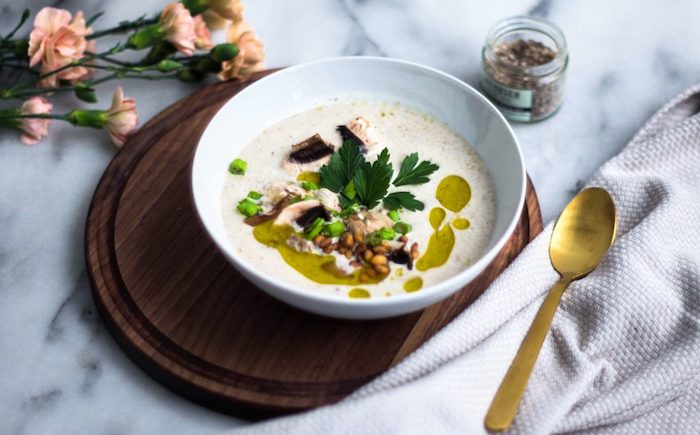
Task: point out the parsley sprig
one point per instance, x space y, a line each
412 172
357 181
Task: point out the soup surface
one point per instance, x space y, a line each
292 224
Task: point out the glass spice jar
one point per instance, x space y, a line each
524 62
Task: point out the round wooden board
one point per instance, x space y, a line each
184 314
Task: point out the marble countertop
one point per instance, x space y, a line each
60 370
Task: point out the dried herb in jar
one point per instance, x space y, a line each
524 61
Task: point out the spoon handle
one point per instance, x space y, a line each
505 404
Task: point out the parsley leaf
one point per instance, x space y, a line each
396 200
341 168
412 172
372 180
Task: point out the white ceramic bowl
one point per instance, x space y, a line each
303 86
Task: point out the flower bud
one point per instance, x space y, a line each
85 93
146 37
190 76
162 50
168 65
88 118
8 118
223 52
195 7
205 65
21 48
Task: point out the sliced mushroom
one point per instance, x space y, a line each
308 155
277 191
292 212
309 216
271 214
360 131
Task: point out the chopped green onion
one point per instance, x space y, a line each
387 233
374 238
349 210
334 229
248 208
309 185
254 195
394 215
402 227
349 190
238 167
315 228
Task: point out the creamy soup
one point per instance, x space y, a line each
295 229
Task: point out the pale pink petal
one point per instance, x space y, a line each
51 19
34 129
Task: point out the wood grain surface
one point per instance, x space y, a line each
184 314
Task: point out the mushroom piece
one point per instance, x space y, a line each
291 213
309 216
271 214
360 131
277 191
308 155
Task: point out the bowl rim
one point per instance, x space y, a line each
318 297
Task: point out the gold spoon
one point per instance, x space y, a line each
581 237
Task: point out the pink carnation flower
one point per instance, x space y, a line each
34 129
250 56
179 27
57 40
122 119
203 41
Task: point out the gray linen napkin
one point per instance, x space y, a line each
623 354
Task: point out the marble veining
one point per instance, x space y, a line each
61 372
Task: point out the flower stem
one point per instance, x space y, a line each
124 26
22 20
36 116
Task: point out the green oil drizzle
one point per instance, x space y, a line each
313 177
358 293
319 268
460 223
413 284
439 249
454 193
437 215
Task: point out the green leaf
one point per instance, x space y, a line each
94 18
347 204
396 200
339 171
372 180
412 172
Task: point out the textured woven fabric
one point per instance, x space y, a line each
623 354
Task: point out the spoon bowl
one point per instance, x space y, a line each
583 233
